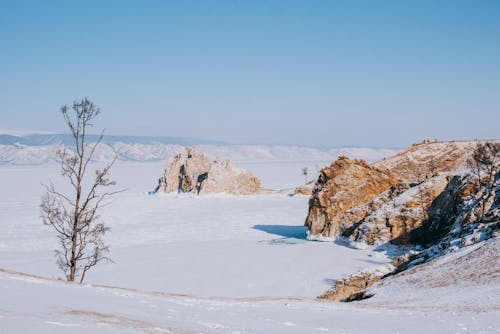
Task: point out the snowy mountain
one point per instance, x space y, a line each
67 139
41 148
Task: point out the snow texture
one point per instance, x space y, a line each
195 264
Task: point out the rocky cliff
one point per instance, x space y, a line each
191 171
429 201
427 159
463 214
386 200
339 191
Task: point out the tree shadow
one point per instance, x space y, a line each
294 232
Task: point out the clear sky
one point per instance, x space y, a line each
329 73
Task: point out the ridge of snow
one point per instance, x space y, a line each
22 154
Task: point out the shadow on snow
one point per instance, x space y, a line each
291 232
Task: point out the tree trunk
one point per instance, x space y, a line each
72 268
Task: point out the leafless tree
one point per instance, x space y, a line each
485 161
74 217
305 170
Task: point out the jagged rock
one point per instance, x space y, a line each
435 211
348 195
427 159
341 187
353 287
192 171
463 214
398 217
464 210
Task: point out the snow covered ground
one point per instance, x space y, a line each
468 279
189 264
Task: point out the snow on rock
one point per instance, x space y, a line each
395 219
192 171
423 160
463 214
374 203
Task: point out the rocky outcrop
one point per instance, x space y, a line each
191 171
387 200
352 288
435 205
463 214
306 189
342 195
399 215
429 158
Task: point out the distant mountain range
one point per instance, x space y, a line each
41 148
67 140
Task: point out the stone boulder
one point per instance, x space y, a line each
341 189
192 172
305 189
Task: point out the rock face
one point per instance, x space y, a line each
192 171
341 189
463 214
426 159
403 211
429 198
348 289
386 201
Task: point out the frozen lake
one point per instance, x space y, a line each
242 264
212 245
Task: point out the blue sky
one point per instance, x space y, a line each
325 73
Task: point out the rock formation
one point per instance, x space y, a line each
305 189
340 190
403 211
463 214
192 171
387 200
429 158
426 196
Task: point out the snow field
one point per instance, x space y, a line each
189 264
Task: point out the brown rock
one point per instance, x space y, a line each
341 187
306 189
349 193
427 159
397 218
351 288
192 171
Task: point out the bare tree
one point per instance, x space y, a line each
74 217
485 161
305 170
